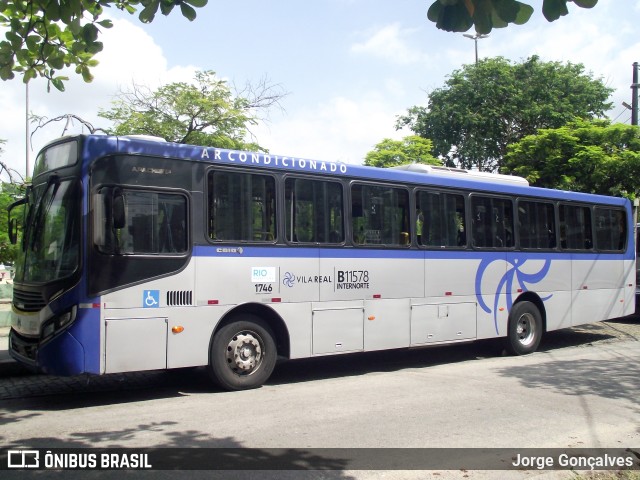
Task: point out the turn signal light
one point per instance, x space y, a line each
177 329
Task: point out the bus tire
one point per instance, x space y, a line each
525 329
242 354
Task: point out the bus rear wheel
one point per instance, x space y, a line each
243 354
525 329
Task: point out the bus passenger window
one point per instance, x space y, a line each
155 223
380 215
576 227
440 219
314 211
536 225
492 225
611 229
242 207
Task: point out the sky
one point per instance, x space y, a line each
349 67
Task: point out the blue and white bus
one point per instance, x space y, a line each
141 255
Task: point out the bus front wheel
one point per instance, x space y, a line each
243 354
525 329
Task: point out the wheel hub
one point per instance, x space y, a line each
244 353
525 329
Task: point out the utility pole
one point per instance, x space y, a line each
26 129
634 95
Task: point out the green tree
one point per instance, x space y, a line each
486 106
45 36
484 15
206 112
391 153
9 193
585 156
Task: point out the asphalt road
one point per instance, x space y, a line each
580 390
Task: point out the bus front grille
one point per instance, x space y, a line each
27 349
28 301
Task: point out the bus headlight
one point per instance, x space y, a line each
58 322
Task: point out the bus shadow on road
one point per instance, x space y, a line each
61 393
353 364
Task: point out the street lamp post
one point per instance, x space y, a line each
26 129
634 95
477 36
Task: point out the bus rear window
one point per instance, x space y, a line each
611 229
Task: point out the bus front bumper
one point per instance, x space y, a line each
62 355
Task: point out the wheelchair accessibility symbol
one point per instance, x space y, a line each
151 299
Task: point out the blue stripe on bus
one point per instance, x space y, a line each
101 145
310 252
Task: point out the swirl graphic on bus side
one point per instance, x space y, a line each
505 285
289 279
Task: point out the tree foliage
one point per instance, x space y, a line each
585 156
9 193
486 106
391 153
206 112
484 15
45 36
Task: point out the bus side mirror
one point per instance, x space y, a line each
119 217
13 222
13 231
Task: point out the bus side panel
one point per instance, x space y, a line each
372 274
597 283
384 280
337 327
89 336
189 334
557 305
591 306
256 275
297 317
630 287
490 288
438 320
452 277
492 324
135 344
549 277
602 271
386 323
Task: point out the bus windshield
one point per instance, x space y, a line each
50 244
